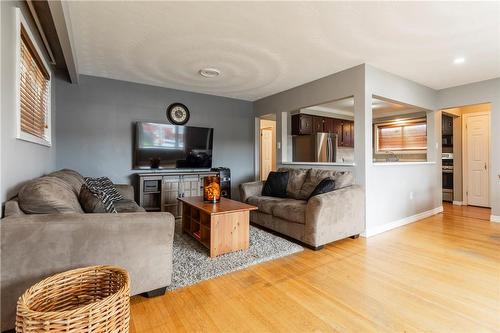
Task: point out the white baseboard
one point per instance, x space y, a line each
495 218
458 203
407 220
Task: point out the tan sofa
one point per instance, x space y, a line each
321 219
35 246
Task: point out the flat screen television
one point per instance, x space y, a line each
166 146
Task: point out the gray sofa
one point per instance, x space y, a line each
35 246
321 219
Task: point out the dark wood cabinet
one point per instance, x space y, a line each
318 124
303 124
347 134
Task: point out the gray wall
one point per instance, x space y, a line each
20 160
396 192
347 83
387 187
94 126
475 93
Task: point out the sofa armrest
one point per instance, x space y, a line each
335 215
251 189
126 190
36 246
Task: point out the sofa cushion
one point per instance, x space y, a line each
104 190
296 178
342 179
91 204
263 203
275 185
48 195
291 210
324 186
71 177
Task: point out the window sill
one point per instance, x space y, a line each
33 139
403 163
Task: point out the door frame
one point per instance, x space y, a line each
465 155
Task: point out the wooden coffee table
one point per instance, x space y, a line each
222 227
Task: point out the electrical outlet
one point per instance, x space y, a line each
279 145
411 195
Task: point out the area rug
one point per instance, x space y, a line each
192 264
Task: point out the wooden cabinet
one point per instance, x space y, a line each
318 123
347 133
303 124
159 191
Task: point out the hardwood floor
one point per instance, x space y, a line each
441 274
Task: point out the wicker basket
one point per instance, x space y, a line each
91 299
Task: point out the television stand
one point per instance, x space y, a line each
158 191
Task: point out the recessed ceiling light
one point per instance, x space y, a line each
209 72
459 60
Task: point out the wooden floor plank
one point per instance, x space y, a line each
441 274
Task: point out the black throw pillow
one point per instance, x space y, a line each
324 186
276 184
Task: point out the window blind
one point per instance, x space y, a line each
411 136
34 90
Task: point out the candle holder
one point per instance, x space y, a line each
211 189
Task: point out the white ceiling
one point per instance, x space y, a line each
264 48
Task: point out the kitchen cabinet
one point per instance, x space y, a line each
347 134
447 125
318 123
303 124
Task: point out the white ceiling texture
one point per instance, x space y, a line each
262 48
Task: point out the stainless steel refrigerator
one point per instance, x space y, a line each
319 147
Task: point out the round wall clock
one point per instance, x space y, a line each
177 113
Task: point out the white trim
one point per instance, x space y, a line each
495 218
457 203
396 224
21 20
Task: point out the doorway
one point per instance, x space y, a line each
466 145
477 158
267 147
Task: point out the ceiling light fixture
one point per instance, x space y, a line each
459 60
209 72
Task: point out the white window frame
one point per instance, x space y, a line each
400 150
21 21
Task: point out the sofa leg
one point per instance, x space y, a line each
354 236
317 248
155 293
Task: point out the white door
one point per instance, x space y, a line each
478 159
266 152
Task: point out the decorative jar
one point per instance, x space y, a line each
211 188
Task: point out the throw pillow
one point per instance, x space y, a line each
324 186
90 203
103 189
275 185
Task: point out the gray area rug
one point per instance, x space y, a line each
192 264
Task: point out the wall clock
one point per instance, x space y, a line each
177 114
